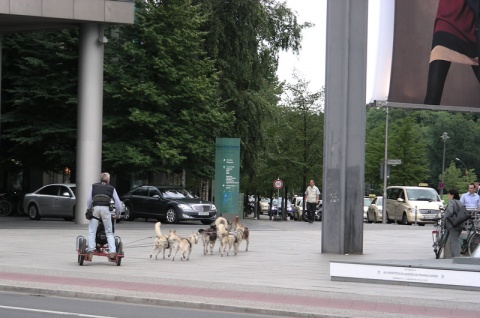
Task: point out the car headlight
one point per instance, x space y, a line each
185 207
213 207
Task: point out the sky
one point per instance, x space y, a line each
310 63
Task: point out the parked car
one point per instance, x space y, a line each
298 207
264 205
277 206
406 204
366 204
374 213
53 200
169 204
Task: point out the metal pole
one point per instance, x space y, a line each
444 137
385 166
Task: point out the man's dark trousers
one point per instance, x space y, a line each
311 206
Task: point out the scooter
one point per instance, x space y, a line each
101 248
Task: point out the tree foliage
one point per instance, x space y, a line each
161 92
244 39
39 99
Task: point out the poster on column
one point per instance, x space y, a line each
227 176
434 59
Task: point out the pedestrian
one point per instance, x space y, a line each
477 188
471 200
312 197
454 40
99 197
453 206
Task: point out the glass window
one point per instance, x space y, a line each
142 191
49 190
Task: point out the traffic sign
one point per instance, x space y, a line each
278 184
394 162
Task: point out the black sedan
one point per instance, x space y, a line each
169 204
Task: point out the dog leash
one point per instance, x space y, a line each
139 245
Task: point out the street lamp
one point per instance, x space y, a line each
463 166
444 137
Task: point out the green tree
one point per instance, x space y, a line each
161 92
458 178
244 38
39 100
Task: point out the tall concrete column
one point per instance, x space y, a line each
90 112
345 115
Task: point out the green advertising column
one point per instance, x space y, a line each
227 176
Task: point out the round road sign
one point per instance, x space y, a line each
278 184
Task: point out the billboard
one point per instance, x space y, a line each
455 53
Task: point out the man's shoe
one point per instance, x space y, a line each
89 256
112 255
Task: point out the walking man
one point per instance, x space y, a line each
312 195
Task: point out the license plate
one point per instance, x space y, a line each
431 216
203 213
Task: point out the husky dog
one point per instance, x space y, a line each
209 237
221 220
173 240
241 233
161 242
226 239
185 245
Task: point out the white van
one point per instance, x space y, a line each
407 204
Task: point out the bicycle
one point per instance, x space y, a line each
5 206
468 243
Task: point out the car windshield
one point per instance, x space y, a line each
175 193
367 201
278 202
422 195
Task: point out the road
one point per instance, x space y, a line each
18 305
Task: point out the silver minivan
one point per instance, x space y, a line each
407 205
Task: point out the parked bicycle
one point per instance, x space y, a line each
5 205
469 238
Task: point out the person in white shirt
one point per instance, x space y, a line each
471 200
312 196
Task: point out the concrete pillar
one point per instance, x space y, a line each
90 112
345 115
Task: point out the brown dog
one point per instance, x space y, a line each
209 237
186 245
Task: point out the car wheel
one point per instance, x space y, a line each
404 219
33 212
368 218
128 216
171 215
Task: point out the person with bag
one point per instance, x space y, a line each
99 199
453 207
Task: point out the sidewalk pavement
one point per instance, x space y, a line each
284 272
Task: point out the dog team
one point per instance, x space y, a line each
227 234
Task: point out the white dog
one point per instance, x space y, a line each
161 242
226 239
186 245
